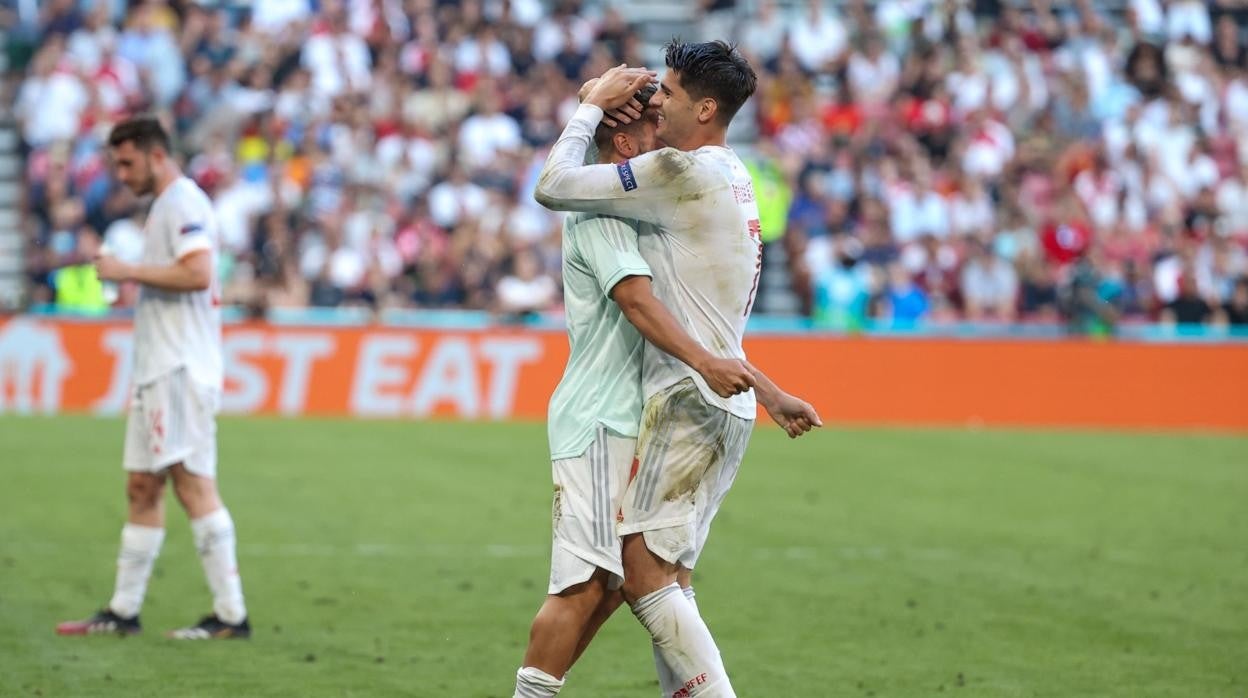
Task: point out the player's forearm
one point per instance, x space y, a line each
558 188
657 325
765 390
175 277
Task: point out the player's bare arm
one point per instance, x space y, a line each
794 415
191 272
727 377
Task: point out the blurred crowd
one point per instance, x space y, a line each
917 160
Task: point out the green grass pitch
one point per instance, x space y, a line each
407 559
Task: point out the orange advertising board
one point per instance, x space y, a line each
51 365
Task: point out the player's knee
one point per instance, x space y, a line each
644 572
144 492
583 598
196 494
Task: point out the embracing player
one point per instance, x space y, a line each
705 252
596 409
171 433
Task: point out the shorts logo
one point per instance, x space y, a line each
191 228
627 178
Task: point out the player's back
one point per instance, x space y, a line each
602 381
706 258
175 329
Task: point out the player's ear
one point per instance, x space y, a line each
707 109
624 145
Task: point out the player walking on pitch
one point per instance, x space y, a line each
706 254
171 429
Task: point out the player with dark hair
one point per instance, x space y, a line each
706 255
596 409
171 433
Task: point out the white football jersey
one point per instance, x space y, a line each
707 253
173 329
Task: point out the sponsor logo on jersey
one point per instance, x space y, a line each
191 228
627 178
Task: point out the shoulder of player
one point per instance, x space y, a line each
598 223
181 194
669 164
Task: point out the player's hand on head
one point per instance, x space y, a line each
627 114
585 89
617 86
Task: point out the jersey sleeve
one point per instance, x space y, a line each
191 228
608 246
646 187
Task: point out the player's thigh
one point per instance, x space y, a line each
145 489
681 444
191 437
718 481
144 442
676 448
173 420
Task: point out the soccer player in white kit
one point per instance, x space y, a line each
707 256
171 431
595 414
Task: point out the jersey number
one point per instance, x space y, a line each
756 236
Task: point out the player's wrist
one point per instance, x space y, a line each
591 110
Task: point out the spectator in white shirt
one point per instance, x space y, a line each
561 31
989 286
486 135
338 60
990 146
272 17
917 211
971 210
51 101
817 37
526 289
1232 196
1189 18
456 199
763 34
1149 16
873 73
482 54
152 48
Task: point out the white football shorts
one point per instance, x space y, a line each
173 420
588 488
688 456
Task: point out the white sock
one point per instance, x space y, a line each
139 547
692 597
532 682
668 683
214 539
684 642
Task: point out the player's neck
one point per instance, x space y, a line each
170 175
718 137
